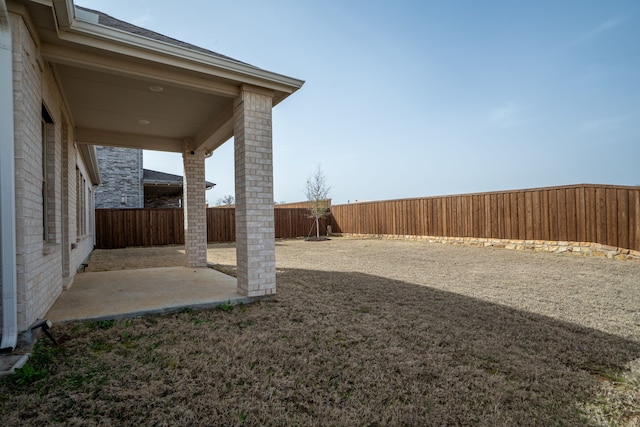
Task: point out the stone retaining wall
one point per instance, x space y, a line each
576 248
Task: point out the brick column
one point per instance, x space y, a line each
255 233
195 211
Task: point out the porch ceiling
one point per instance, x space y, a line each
126 86
146 112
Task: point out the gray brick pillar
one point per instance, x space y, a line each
195 210
255 234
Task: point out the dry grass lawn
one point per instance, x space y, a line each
362 332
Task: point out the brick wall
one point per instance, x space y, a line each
41 262
80 245
195 218
255 242
121 175
38 260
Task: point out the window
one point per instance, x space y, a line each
90 209
81 204
48 162
84 206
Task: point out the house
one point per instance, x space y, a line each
121 183
69 77
126 184
164 190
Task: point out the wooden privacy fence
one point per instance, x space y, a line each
221 225
608 215
120 228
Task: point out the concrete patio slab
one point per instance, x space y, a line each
131 293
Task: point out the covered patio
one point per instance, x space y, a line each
130 87
132 293
132 282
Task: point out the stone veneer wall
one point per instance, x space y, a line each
121 174
575 248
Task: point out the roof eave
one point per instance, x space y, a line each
75 27
64 12
154 183
88 154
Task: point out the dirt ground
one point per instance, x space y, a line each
362 332
592 292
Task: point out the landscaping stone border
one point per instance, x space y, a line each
588 249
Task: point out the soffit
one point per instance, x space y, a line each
162 190
106 83
110 102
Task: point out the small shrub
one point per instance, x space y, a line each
29 374
226 306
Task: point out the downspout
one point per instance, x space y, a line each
7 188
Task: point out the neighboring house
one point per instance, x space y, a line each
121 178
72 78
164 190
125 184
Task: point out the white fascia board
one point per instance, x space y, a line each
88 154
65 12
181 57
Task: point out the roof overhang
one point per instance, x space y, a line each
152 178
88 154
129 90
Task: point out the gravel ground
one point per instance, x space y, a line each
362 332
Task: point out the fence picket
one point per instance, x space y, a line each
608 215
603 214
120 228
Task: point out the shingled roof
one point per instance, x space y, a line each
151 177
111 22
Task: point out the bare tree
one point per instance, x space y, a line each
317 192
226 201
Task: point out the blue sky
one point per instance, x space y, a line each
411 98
